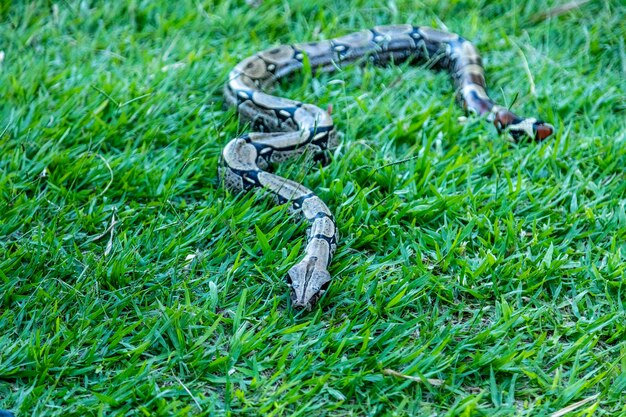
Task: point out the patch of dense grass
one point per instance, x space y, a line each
132 283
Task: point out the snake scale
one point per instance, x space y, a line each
285 129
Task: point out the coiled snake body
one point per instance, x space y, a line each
285 129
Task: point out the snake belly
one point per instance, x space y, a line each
285 129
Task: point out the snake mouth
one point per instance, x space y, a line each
296 304
304 305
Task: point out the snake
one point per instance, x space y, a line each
288 130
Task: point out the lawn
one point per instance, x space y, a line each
474 276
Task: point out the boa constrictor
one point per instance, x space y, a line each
286 129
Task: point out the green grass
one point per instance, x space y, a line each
133 283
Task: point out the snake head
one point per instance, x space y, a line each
518 127
307 282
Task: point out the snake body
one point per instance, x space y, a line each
285 129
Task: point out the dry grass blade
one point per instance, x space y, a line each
559 10
188 392
109 245
432 381
574 406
